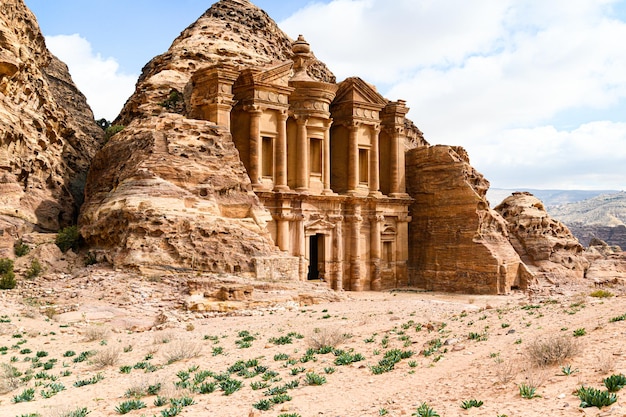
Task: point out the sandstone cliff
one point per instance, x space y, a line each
457 243
194 211
47 132
172 191
544 244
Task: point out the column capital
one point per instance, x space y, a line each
253 108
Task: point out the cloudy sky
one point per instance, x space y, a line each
535 90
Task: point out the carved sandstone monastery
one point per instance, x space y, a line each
241 154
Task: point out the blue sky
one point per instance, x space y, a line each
534 90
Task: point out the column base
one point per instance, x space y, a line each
282 188
303 190
375 194
328 192
399 195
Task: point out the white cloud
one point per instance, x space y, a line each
492 76
97 78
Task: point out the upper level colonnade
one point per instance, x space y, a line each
297 134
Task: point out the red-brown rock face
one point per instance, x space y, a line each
457 243
171 192
544 244
47 132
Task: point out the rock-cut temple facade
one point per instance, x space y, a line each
326 160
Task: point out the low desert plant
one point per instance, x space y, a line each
314 379
551 350
615 382
466 405
618 318
93 333
326 337
580 332
181 349
592 397
229 386
27 395
89 381
130 405
601 294
567 370
79 412
107 357
528 391
424 410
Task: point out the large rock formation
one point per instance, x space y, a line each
47 132
457 243
544 244
171 192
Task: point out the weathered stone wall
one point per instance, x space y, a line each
456 243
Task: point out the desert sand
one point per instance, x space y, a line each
139 338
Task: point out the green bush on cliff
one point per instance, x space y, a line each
68 238
7 276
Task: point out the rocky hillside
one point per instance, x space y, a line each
231 31
602 217
47 131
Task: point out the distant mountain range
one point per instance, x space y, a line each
550 198
588 214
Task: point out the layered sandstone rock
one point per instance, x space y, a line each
607 263
545 244
171 192
47 131
231 31
457 243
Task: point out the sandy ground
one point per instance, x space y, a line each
483 354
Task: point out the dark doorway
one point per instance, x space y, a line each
316 249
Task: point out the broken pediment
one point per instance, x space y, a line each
319 225
274 75
356 91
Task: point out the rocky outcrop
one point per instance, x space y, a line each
544 244
171 192
231 31
47 131
457 243
607 263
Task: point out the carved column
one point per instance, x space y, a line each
302 177
338 251
353 158
301 246
375 162
282 231
402 251
355 250
395 162
326 156
375 251
280 178
255 146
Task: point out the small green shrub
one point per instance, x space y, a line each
618 318
27 395
111 131
35 269
68 238
615 382
130 405
282 340
601 294
466 405
79 412
20 249
528 391
424 410
314 379
591 397
580 332
263 405
7 276
229 386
